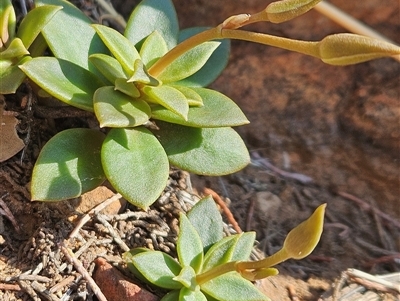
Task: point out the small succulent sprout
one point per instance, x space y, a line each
201 248
285 10
347 49
212 267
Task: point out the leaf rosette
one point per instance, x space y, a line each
150 121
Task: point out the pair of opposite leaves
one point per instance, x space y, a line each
10 143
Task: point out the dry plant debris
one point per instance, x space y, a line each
10 143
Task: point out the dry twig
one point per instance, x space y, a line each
92 212
113 233
81 269
4 210
367 207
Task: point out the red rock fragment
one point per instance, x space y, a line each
116 287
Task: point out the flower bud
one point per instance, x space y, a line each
348 49
281 11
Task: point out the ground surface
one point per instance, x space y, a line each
336 128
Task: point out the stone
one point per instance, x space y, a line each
117 287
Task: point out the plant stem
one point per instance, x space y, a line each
174 53
305 47
270 261
216 271
240 266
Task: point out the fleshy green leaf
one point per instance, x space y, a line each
70 36
123 50
153 48
206 219
108 66
7 22
68 165
64 80
193 98
214 66
135 164
187 277
115 109
11 76
232 287
14 50
189 295
170 98
188 63
215 151
189 246
220 253
141 75
171 296
217 111
151 15
34 22
127 88
158 268
244 246
127 257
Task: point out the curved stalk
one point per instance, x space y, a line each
216 271
174 53
267 262
304 47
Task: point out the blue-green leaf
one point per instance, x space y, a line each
151 15
171 296
189 295
123 50
70 36
214 151
187 277
244 246
136 165
14 50
193 98
68 165
140 75
108 66
11 75
232 287
220 253
153 48
127 88
214 66
158 268
115 109
206 219
34 22
170 98
217 111
189 246
64 80
188 63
